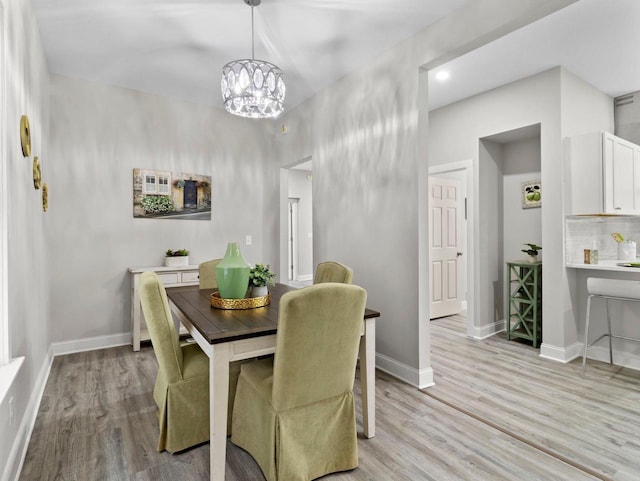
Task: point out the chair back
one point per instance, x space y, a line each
164 337
317 343
207 274
331 271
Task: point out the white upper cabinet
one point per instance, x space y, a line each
602 175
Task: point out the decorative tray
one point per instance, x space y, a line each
246 303
628 264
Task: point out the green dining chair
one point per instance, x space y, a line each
207 274
331 271
295 413
181 390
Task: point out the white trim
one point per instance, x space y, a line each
473 237
23 436
306 277
419 378
91 343
8 373
5 342
561 354
487 330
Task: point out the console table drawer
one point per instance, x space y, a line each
168 278
190 277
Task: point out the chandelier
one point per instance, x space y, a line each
252 88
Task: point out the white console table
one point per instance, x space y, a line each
170 277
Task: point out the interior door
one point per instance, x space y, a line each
293 240
444 246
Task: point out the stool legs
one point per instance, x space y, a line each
610 339
586 334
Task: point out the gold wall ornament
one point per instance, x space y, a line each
37 173
45 197
25 136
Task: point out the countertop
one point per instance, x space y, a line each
604 265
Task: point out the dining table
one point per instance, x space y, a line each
228 335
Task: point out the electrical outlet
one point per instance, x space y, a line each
248 240
12 411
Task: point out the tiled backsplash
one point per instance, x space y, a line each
594 232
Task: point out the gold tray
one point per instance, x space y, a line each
246 303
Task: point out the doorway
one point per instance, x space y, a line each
296 222
461 174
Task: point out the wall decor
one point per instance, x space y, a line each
37 173
45 197
531 194
25 136
171 195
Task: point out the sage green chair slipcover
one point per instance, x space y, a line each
331 271
295 413
182 384
207 274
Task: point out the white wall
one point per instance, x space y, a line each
300 187
370 180
521 164
99 134
25 92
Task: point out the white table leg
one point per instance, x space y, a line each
218 395
136 312
367 377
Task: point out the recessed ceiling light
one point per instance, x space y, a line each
442 75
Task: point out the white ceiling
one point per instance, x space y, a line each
595 39
177 48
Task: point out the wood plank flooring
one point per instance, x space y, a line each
97 421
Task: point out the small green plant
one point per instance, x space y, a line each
532 250
261 276
178 253
157 204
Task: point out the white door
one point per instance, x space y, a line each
444 246
292 271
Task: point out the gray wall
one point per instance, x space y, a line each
99 134
366 134
24 91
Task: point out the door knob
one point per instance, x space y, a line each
458 254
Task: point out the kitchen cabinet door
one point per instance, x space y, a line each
621 169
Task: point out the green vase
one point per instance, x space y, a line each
233 274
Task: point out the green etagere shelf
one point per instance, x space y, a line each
524 310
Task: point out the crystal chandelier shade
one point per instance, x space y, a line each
252 88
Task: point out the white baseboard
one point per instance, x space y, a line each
23 436
561 354
404 372
307 277
91 343
488 330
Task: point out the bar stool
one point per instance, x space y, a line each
608 289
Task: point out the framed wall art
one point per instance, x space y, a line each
171 195
531 194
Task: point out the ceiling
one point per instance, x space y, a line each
177 48
595 39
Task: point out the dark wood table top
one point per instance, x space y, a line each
224 325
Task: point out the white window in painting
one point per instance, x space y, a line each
150 184
163 185
155 182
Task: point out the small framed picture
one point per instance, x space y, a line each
531 194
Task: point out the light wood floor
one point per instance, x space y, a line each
507 415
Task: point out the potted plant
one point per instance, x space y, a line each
532 251
177 258
259 278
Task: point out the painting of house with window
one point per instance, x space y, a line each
169 195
